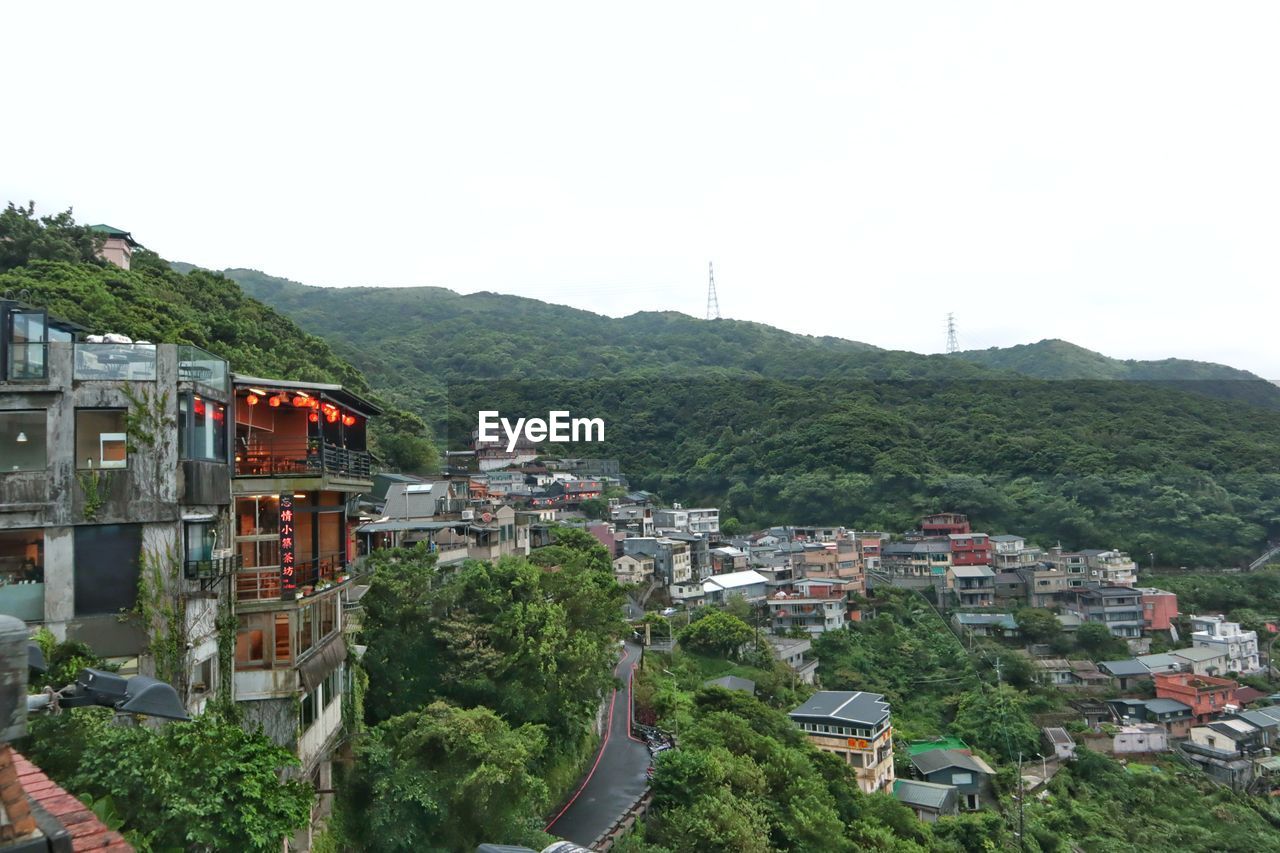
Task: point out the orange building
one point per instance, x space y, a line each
1205 695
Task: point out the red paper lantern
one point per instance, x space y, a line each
331 417
252 399
313 417
348 420
274 402
300 402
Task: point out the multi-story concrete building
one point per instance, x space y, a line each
1239 646
1159 609
300 459
855 726
114 466
671 558
1111 568
1010 553
817 606
973 586
631 570
701 521
1119 608
1206 696
970 549
924 561
945 524
1047 586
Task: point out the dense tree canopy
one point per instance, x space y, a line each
443 778
202 785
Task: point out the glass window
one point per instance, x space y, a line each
22 441
328 615
201 539
250 646
305 620
961 778
202 432
100 439
28 336
258 516
308 715
21 556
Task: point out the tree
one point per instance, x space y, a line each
1038 626
202 785
446 778
995 720
1096 640
25 237
718 632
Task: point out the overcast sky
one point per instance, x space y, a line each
1101 172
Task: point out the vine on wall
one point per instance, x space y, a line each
94 495
163 610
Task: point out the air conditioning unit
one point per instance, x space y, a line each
468 514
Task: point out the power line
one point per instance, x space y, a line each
713 301
953 341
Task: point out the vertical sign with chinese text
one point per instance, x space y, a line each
288 578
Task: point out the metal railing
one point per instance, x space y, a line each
214 567
115 362
269 457
263 583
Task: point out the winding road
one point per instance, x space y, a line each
617 776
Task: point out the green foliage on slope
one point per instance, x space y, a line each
775 427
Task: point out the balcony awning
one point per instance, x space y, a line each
325 660
407 525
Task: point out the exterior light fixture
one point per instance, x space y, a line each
313 417
274 402
259 391
22 438
252 399
348 420
137 695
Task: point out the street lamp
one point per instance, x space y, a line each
137 695
675 718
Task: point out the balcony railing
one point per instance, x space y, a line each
214 567
115 362
298 457
198 365
262 584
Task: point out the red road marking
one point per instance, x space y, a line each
604 742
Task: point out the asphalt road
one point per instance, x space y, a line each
617 776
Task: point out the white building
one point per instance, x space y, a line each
1239 647
1111 568
751 586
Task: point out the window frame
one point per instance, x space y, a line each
122 433
40 415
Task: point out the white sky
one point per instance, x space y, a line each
1106 173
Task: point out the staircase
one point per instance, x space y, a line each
1272 553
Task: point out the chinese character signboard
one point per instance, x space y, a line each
288 577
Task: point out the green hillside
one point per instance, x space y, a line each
56 270
1057 359
778 427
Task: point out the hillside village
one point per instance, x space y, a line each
259 501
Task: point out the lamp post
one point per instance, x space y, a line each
675 718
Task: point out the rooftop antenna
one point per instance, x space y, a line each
953 341
713 302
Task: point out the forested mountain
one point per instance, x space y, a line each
778 427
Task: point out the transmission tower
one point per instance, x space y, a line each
713 302
953 341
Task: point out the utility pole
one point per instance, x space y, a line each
1022 820
953 340
713 301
